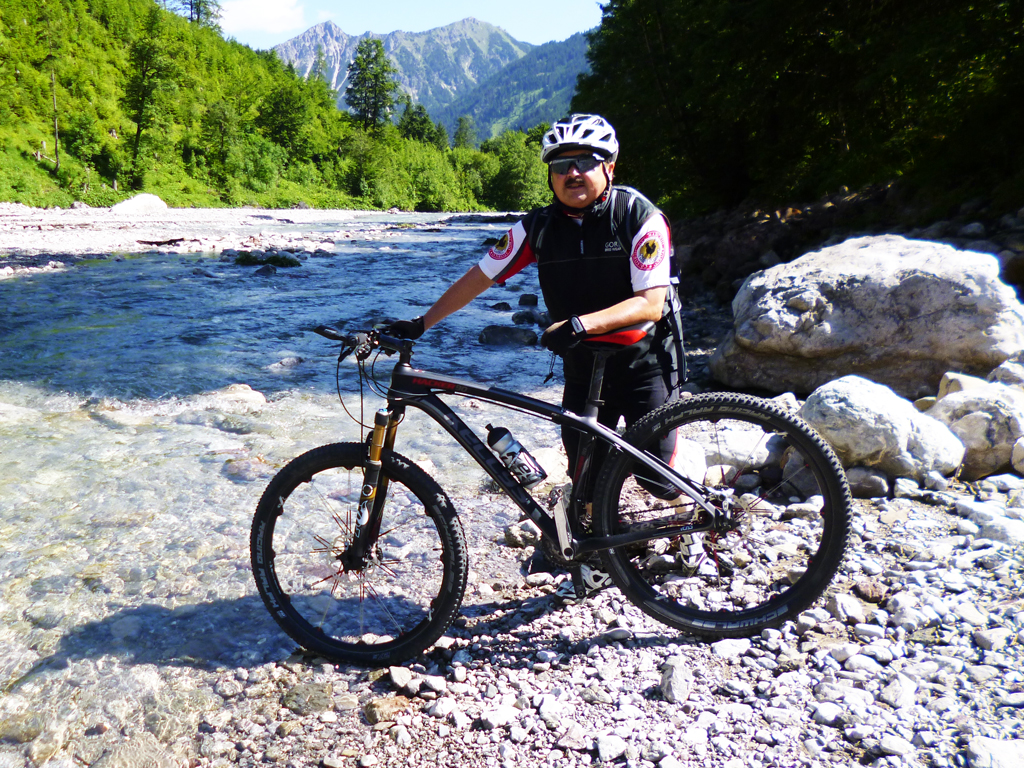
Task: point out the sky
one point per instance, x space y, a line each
266 23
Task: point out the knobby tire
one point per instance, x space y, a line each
787 494
408 590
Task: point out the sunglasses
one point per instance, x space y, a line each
583 163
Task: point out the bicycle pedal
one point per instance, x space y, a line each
585 582
557 493
594 579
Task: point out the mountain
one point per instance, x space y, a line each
434 67
535 89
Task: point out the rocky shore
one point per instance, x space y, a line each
915 660
118 660
721 249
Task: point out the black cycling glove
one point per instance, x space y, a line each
406 329
564 337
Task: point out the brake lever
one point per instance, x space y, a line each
363 347
344 352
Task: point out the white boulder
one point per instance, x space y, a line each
900 312
869 425
1010 372
983 752
140 205
989 421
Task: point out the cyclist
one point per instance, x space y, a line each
603 254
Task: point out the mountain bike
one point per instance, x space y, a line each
360 557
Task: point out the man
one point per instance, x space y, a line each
603 255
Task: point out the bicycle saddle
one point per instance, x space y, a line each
621 338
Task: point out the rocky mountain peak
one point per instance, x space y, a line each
460 56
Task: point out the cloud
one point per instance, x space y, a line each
261 16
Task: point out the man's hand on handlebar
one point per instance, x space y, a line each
405 329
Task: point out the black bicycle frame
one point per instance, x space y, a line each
420 389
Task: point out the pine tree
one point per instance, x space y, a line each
205 13
371 84
319 68
415 123
465 133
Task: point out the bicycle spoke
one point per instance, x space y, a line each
772 483
348 607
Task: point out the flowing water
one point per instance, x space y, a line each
135 443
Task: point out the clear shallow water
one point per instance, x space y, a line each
149 327
158 328
131 467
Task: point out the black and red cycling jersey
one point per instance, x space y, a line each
581 263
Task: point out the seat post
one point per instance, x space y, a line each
594 401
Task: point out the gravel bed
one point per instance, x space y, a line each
915 659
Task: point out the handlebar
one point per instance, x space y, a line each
364 342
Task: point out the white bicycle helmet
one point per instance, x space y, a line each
580 132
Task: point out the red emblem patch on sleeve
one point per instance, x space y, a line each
649 252
502 249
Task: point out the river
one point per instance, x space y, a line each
146 400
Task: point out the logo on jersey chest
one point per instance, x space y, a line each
612 246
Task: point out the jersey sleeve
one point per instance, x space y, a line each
650 258
509 255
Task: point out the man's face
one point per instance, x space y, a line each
578 190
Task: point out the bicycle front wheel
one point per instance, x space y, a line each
398 599
785 507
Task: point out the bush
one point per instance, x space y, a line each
257 162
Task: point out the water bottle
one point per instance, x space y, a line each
525 468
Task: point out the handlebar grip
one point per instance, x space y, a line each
394 344
330 333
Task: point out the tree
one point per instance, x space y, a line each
440 138
205 13
521 183
536 134
465 133
371 84
720 101
416 124
319 68
285 111
150 72
52 20
220 129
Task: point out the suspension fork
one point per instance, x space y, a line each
374 489
394 418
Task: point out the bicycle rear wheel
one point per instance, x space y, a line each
788 506
402 596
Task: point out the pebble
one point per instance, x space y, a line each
894 745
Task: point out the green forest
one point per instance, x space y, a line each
104 98
717 103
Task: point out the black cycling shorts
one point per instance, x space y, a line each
633 387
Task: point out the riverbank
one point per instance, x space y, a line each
31 237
